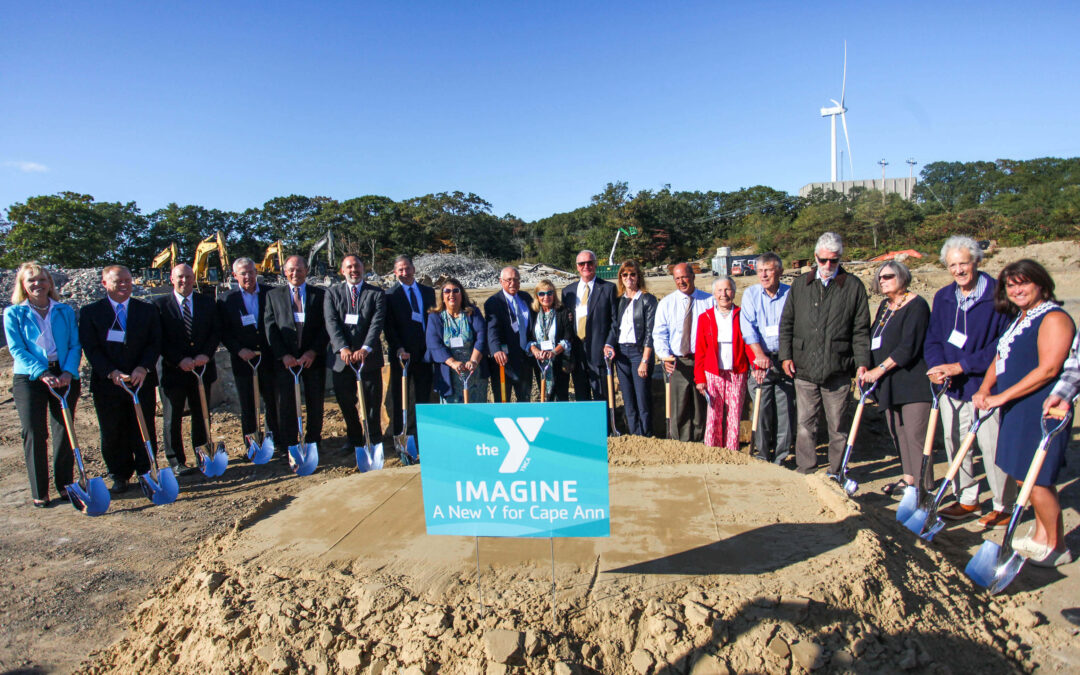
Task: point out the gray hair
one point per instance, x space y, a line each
830 241
242 262
903 274
959 241
721 279
769 257
404 258
587 251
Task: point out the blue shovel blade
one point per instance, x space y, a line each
850 487
985 570
363 459
909 504
378 457
164 491
94 500
304 458
214 464
261 453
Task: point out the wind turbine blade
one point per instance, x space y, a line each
835 102
843 86
843 118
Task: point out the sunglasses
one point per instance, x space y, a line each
828 261
545 294
627 275
886 277
450 291
586 263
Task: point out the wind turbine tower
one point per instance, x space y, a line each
839 109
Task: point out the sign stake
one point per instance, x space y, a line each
479 590
554 618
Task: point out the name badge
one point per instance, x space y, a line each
456 342
351 319
418 317
999 366
114 336
772 331
298 317
875 343
547 346
957 339
247 319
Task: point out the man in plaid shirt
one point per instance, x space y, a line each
1068 384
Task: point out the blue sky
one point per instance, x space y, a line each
533 106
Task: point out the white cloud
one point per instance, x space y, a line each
27 167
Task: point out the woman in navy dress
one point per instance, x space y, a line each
1030 355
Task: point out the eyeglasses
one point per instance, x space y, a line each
886 277
627 275
586 263
828 261
450 291
513 280
544 294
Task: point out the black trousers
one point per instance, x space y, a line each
636 390
345 390
173 400
35 404
121 444
313 386
245 391
421 375
588 383
687 405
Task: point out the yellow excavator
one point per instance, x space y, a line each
273 260
161 266
207 278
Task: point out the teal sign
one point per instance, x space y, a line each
515 469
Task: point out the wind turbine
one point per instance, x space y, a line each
839 109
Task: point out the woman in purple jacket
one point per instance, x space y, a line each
960 344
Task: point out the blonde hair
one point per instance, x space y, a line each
545 285
27 270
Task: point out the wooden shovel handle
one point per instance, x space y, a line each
855 423
928 444
1032 475
958 458
502 382
205 411
757 409
361 405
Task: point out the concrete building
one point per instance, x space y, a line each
900 186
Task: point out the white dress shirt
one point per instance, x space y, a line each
667 332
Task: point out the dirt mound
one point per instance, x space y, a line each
722 567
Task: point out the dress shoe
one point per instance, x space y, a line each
183 469
41 503
1050 557
781 456
958 511
118 486
995 519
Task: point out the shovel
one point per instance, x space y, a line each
752 448
502 383
213 460
667 400
465 385
368 457
404 443
260 445
925 522
994 567
545 366
913 494
611 398
303 457
88 495
849 484
159 485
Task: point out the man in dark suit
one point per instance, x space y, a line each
296 332
240 314
592 305
189 338
508 322
355 313
121 338
407 305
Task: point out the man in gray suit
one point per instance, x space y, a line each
354 313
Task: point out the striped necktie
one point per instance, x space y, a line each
185 309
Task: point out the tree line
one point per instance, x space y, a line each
1015 202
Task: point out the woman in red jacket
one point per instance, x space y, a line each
721 364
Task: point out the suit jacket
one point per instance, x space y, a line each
371 311
401 330
501 336
438 353
600 324
236 336
644 318
141 345
175 343
280 328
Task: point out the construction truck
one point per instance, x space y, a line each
208 279
161 266
319 268
273 262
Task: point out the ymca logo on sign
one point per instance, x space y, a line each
518 435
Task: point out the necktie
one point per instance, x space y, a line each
413 301
121 317
356 296
582 318
186 311
687 327
298 308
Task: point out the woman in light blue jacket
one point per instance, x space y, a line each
43 339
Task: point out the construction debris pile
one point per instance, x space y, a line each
474 272
77 287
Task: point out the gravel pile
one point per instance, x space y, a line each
474 272
77 287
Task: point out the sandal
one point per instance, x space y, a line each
41 503
896 488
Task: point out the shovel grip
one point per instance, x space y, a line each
931 427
